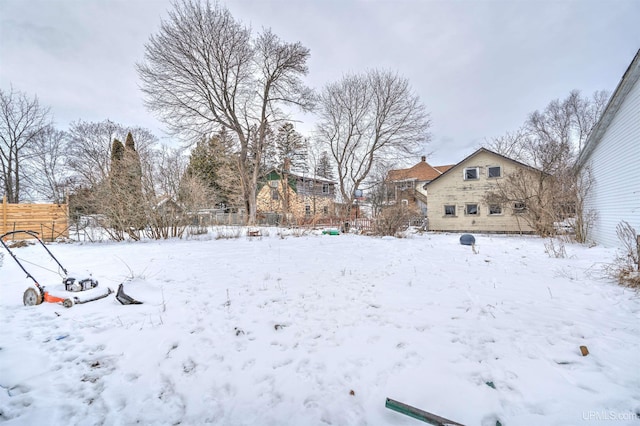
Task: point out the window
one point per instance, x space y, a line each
449 210
325 188
407 184
519 207
310 184
471 173
471 209
495 209
274 194
273 183
307 210
494 172
325 210
405 202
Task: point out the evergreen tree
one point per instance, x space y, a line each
324 168
290 147
212 161
117 153
133 184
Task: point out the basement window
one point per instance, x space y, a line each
519 207
471 209
450 211
471 173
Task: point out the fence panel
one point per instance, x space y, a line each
51 221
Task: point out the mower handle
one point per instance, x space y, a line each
34 234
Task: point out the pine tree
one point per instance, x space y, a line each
212 162
324 168
290 147
133 184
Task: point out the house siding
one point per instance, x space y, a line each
299 199
615 165
452 189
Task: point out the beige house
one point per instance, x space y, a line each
296 198
456 198
407 186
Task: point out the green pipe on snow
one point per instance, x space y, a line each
419 414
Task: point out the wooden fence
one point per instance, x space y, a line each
51 221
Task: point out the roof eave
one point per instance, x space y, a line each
629 78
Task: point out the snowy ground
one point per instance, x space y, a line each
320 329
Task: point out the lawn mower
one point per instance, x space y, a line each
72 291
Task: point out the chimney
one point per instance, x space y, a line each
424 158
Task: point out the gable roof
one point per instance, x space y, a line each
628 80
422 171
478 151
299 176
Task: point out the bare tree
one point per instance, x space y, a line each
47 174
512 145
550 141
366 119
90 145
203 72
21 122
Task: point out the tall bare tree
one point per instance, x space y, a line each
22 120
47 174
203 71
550 141
369 118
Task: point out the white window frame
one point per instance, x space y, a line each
499 213
404 202
464 173
519 207
494 167
466 209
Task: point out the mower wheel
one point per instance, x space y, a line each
67 303
32 297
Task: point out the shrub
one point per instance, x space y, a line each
624 268
393 220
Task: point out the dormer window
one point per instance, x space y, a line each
471 173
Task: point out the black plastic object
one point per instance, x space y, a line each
125 299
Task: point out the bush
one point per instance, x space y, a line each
393 220
624 268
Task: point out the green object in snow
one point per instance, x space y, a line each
419 414
330 232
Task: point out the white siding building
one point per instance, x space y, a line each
612 152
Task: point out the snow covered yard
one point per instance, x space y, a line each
320 329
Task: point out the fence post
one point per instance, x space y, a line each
4 215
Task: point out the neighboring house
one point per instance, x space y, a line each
612 153
456 197
295 196
407 186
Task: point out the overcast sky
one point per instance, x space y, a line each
478 66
